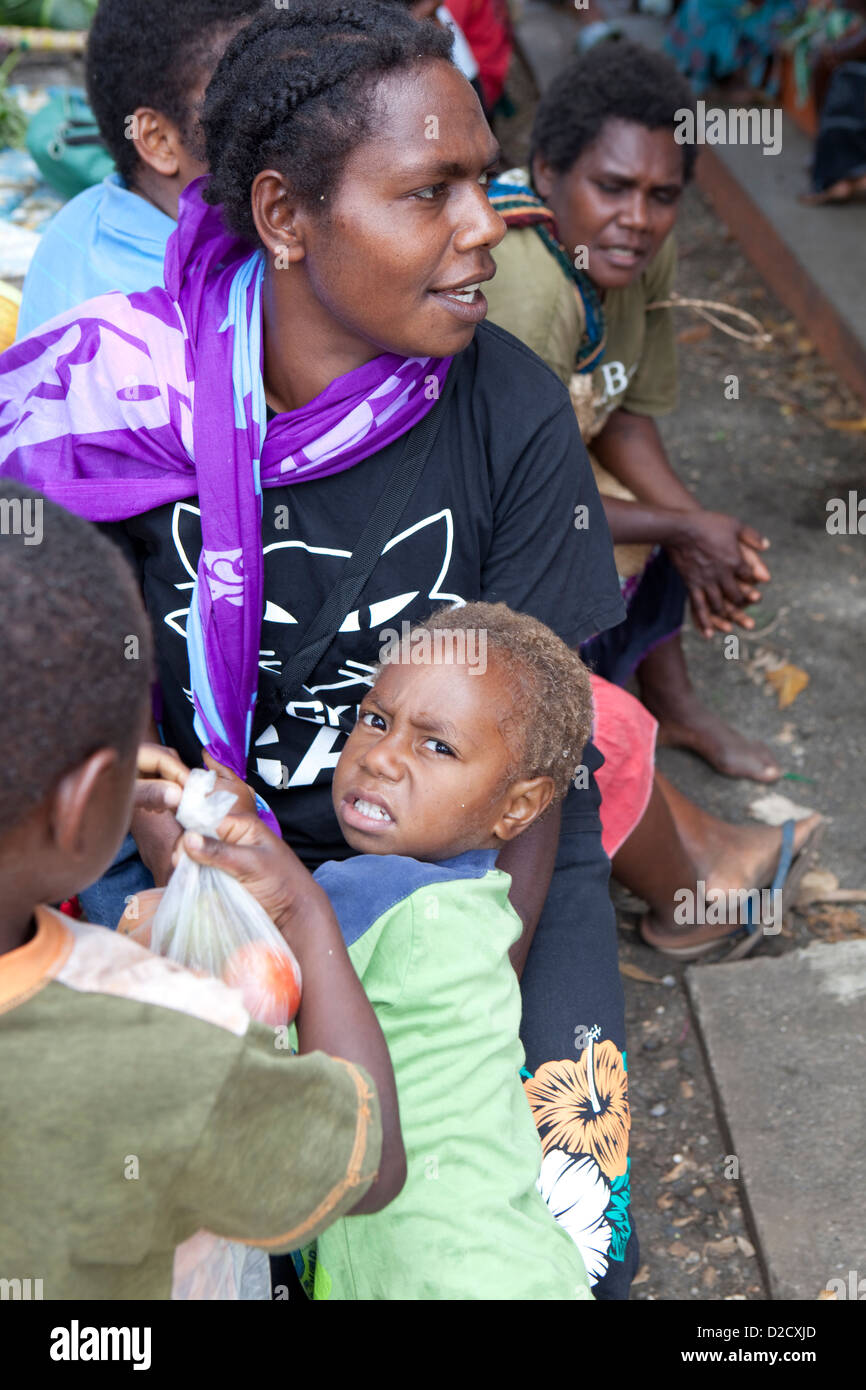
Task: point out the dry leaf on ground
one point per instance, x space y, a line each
684 1166
634 972
834 924
848 426
788 681
696 334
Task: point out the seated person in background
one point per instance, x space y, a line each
462 54
588 253
147 68
472 730
487 27
230 1135
839 85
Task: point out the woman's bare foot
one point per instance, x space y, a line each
726 750
685 722
740 859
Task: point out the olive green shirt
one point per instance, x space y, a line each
532 298
151 1129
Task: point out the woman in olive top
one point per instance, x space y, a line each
589 251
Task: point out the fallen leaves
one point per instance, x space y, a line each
684 1166
848 426
696 334
788 681
726 1246
834 924
634 972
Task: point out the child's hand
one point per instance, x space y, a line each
335 1015
266 866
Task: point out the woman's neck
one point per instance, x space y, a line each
305 348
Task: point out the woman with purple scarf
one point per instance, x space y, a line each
236 429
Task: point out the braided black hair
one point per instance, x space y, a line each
294 91
613 80
75 648
154 53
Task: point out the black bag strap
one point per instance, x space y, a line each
417 444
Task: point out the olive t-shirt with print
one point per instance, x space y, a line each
143 1108
531 297
493 517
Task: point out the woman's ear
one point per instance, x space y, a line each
543 176
277 217
157 141
525 801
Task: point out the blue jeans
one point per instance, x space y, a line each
105 902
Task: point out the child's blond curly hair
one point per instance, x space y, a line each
551 711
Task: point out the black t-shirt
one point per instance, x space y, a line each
495 516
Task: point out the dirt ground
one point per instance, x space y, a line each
772 457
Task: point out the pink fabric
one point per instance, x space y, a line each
625 733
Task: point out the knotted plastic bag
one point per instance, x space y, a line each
208 921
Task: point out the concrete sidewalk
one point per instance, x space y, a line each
785 1042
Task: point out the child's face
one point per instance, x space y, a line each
428 754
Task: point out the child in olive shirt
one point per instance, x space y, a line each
149 1126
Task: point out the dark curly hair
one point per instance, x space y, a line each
614 80
75 648
295 90
154 53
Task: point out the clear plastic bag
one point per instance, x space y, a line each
208 921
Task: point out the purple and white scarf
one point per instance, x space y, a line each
133 401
